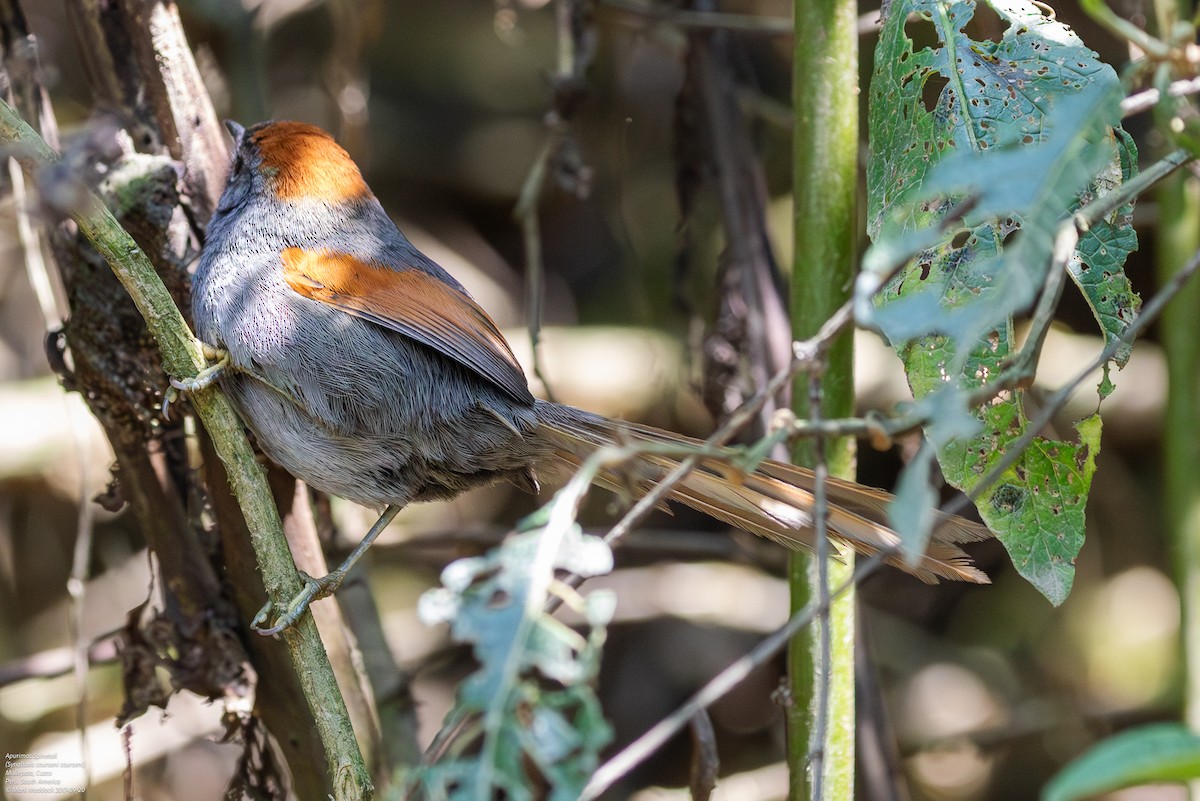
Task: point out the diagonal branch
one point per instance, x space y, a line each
182 356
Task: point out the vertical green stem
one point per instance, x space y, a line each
1178 239
825 178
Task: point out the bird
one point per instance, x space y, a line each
365 369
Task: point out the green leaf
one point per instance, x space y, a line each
1164 752
1022 133
1106 386
1102 251
1037 508
531 703
912 511
1021 194
994 93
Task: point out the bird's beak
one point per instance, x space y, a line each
236 131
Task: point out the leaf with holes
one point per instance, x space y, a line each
1004 138
1100 256
530 713
984 93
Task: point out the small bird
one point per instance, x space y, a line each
368 371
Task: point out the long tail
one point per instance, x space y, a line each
775 501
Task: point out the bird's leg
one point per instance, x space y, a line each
202 380
317 588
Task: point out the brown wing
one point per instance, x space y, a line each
413 303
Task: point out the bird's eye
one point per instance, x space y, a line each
238 164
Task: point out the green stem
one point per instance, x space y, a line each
182 357
825 178
1178 239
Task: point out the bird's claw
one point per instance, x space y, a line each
314 590
202 380
169 397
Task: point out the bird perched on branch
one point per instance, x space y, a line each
365 369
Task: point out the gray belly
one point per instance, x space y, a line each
432 457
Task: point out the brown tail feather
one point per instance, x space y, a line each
775 501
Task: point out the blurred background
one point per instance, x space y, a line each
982 691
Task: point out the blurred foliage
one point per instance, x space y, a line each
1148 754
533 701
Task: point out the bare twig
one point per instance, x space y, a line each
1058 399
526 212
77 589
705 763
824 659
639 12
56 661
644 746
1148 98
557 160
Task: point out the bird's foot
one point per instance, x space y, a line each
317 588
314 590
202 380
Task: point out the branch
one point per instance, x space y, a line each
558 160
182 356
638 13
1147 99
655 737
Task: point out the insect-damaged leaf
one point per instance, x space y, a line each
1020 132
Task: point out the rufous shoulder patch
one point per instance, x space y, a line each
412 302
305 162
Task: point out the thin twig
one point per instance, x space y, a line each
1148 98
526 212
573 58
636 12
77 590
825 641
705 762
32 243
655 737
1056 401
